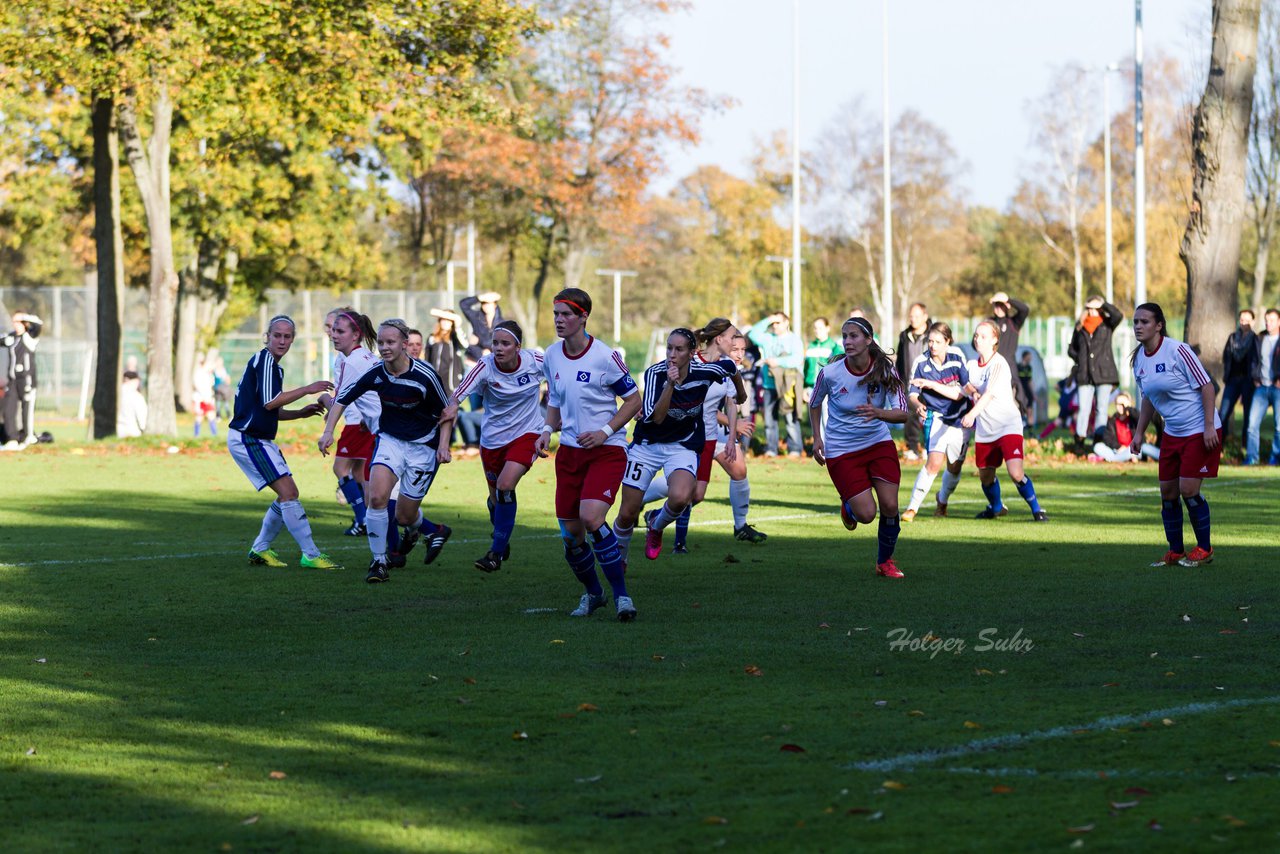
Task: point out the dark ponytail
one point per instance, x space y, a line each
368 335
1158 313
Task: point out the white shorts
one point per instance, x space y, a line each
950 440
413 464
645 461
259 459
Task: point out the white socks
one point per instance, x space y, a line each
375 522
924 482
740 501
665 517
295 518
623 536
272 522
949 483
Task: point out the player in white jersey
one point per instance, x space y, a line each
936 395
1174 383
352 335
510 382
864 395
719 338
585 378
997 422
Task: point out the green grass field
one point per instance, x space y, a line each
158 693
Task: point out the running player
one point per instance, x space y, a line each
1174 383
510 381
720 338
999 424
669 437
584 380
864 396
937 396
259 409
353 337
409 428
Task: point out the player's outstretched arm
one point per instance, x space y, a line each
285 398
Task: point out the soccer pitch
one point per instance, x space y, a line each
1026 686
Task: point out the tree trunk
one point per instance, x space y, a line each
186 330
1220 139
110 267
150 167
1260 264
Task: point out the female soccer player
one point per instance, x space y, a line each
584 380
352 335
409 430
1174 383
937 395
999 424
719 338
669 437
864 395
510 381
260 402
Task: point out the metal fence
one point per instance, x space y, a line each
68 344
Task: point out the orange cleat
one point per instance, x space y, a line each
1197 557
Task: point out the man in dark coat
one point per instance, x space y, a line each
911 344
1009 315
1095 371
1239 356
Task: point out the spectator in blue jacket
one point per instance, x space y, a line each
782 353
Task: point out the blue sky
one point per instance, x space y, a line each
969 66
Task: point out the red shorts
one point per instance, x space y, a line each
989 455
204 408
587 474
355 443
520 450
705 459
853 472
1186 456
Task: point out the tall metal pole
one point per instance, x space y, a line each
471 259
1139 168
888 186
1106 173
796 288
785 261
617 300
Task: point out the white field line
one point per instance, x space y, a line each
1015 740
700 523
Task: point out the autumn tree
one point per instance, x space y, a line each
1211 244
1263 176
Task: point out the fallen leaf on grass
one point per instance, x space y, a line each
1154 825
1110 684
31 751
1274 743
1136 790
915 713
277 775
824 625
1124 805
881 702
696 605
1077 635
1233 821
588 707
1170 673
875 816
752 670
466 651
1186 618
659 658
557 641
893 785
1084 828
731 559
596 779
519 735
469 681
981 671
1167 721
1228 632
462 701
715 819
858 811
42 661
972 725
253 819
1001 790
792 748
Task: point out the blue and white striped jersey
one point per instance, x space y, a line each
411 402
684 423
263 380
952 371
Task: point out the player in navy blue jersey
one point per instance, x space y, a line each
411 444
259 408
668 437
936 395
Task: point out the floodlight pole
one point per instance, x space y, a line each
448 279
797 289
887 190
617 299
1106 172
785 261
1139 168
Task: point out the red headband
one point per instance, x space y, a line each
580 309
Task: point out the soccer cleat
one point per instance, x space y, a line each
908 515
940 509
652 537
408 539
1170 558
377 572
679 549
320 561
588 605
749 534
436 542
1197 557
889 569
357 529
1040 516
489 563
265 558
988 513
850 523
626 609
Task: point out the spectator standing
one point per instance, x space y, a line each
19 400
131 417
444 351
1266 392
1095 371
1239 356
782 354
415 345
203 401
911 346
483 314
821 350
1009 315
